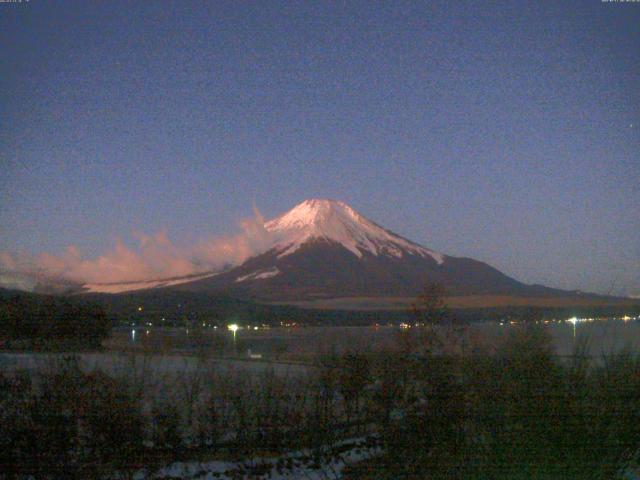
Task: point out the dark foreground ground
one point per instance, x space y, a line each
431 404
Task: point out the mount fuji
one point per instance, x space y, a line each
325 249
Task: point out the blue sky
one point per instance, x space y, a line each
503 131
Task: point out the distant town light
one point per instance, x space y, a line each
139 309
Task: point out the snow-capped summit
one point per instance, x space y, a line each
337 222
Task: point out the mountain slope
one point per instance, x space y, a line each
325 249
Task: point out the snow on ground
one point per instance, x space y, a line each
301 464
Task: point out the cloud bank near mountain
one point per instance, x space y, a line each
155 257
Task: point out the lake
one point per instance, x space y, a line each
298 343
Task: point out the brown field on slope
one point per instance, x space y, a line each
467 301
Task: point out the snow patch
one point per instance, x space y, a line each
141 285
259 275
327 462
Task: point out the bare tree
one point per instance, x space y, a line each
440 332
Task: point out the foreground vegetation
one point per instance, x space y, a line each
516 412
442 406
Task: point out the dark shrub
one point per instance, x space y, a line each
51 322
75 426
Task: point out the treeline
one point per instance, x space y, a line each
46 322
181 309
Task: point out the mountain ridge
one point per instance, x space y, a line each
324 249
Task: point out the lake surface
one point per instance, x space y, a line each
296 343
600 336
289 352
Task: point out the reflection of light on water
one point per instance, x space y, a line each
575 320
133 335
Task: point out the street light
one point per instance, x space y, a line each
234 328
573 320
